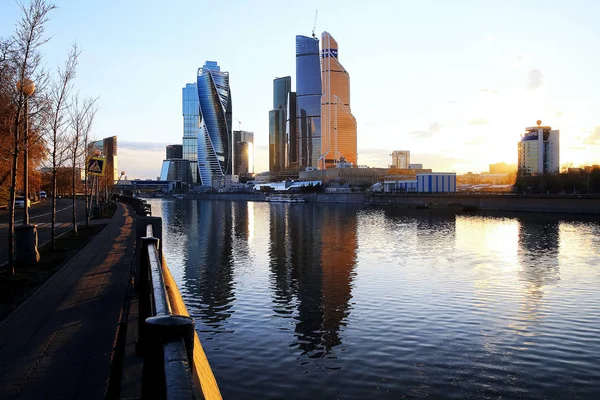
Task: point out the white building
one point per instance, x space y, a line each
539 150
401 159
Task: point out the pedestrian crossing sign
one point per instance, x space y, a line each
95 166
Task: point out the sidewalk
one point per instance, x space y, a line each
60 342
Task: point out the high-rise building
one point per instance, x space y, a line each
308 101
401 159
190 105
291 132
215 112
338 125
174 151
539 150
108 149
278 140
243 153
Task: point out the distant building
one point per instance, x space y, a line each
174 151
308 101
415 166
401 159
108 149
539 150
176 170
215 157
502 168
191 130
338 125
278 140
243 153
436 182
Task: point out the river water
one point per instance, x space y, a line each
311 301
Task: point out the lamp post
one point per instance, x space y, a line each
27 87
26 234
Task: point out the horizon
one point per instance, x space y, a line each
455 85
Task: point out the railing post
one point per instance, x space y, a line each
143 285
162 330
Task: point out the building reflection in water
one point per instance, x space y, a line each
539 246
312 259
208 270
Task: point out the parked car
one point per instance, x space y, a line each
43 195
20 202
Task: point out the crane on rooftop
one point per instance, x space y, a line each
315 24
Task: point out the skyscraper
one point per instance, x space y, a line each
214 139
539 150
278 140
189 95
243 153
308 101
401 159
338 125
291 131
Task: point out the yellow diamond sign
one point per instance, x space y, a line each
95 166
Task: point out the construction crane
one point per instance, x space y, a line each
239 124
315 24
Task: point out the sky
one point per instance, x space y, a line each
454 82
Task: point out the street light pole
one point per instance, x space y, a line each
26 234
27 88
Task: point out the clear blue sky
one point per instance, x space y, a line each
454 82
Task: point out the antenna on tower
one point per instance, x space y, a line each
315 24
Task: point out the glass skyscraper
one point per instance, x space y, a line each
190 127
308 101
215 136
338 125
278 140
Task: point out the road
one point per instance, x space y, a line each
41 214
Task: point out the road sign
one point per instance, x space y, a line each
95 166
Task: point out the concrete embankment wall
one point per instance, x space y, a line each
531 203
528 203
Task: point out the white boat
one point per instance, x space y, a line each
276 198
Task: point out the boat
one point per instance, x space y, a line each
276 198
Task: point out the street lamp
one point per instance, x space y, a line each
26 234
27 88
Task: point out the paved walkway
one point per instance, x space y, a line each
60 342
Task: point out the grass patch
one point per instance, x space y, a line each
15 289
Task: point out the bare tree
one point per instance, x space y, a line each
58 124
82 117
21 61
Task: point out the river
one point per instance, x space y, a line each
335 301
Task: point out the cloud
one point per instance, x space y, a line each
124 144
479 121
535 79
478 141
431 131
141 160
594 138
491 91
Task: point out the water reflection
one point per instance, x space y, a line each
208 271
539 246
312 259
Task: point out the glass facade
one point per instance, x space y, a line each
243 160
278 139
190 128
291 131
338 125
215 112
308 101
174 151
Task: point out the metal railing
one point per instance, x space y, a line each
166 340
175 365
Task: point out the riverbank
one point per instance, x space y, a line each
561 204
